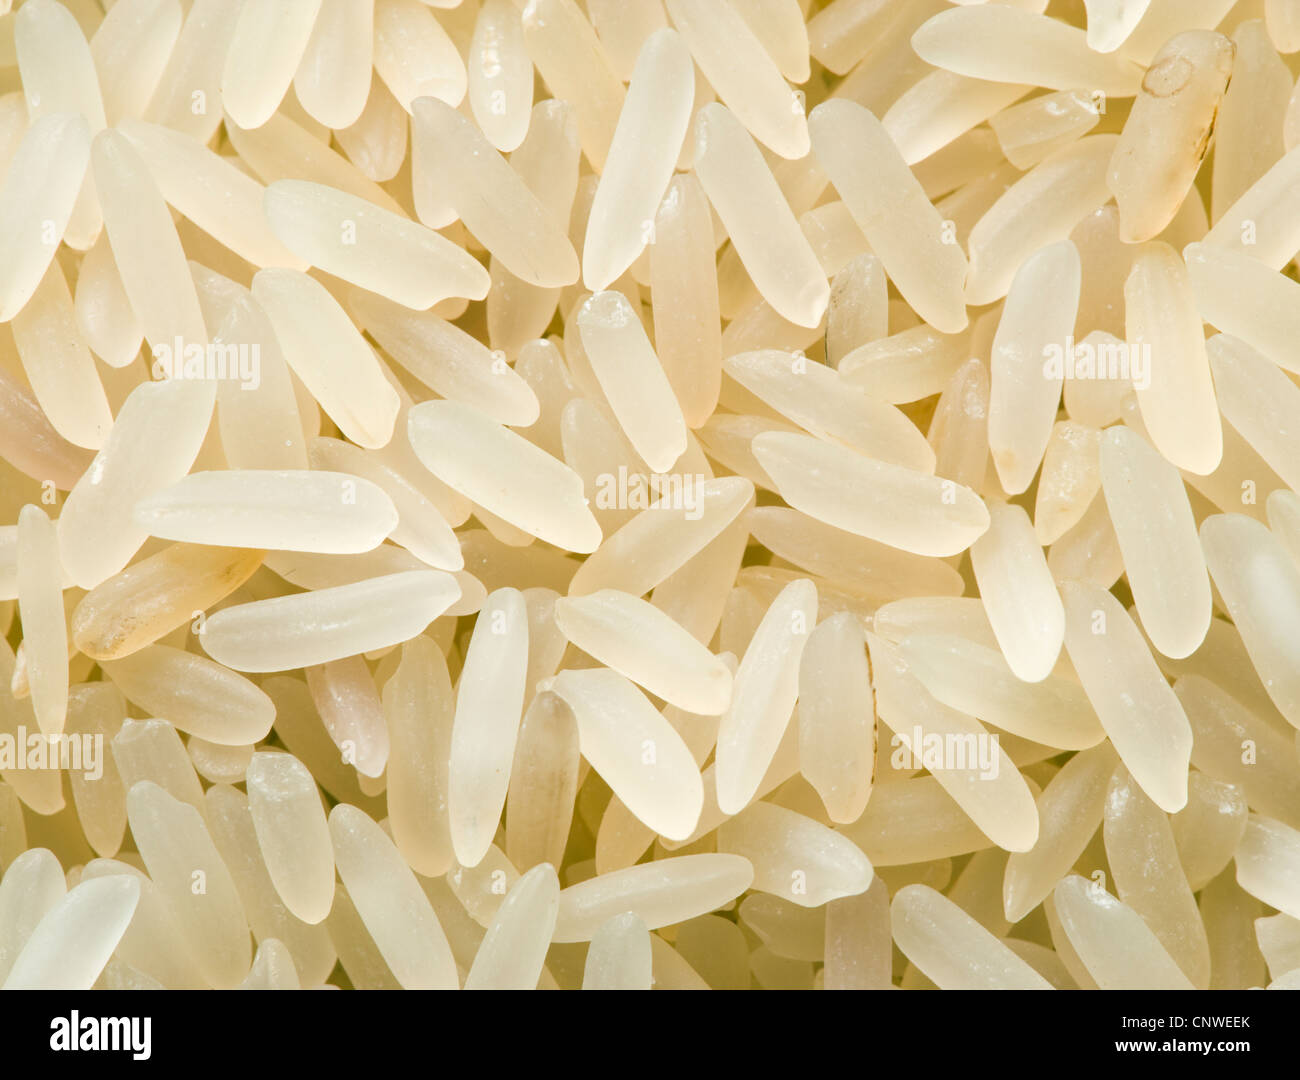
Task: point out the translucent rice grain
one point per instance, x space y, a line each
358 954
329 624
421 528
1039 209
327 352
417 702
634 749
888 503
858 311
131 49
617 629
652 125
29 442
684 287
845 31
1157 535
32 886
1166 134
976 680
272 968
281 150
69 947
348 702
1139 711
995 41
376 143
58 365
1260 586
757 218
941 107
508 475
1110 22
195 694
55 63
414 55
97 709
153 443
1018 593
491 199
1263 223
795 857
145 246
269 40
986 785
837 734
571 59
850 562
619 957
292 832
489 703
219 764
1248 131
1025 386
1031 131
1144 861
1257 399
1069 481
1282 18
447 359
188 94
907 366
1208 830
219 198
368 246
661 893
959 428
816 398
391 903
175 845
745 77
624 28
1069 813
543 783
892 210
104 315
45 633
857 940
1118 949
1178 403
260 428
513 951
632 379
152 750
952 948
332 80
1241 296
766 685
500 75
36 202
1223 728
57 73
1268 864
329 512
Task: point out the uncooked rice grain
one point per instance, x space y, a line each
678 494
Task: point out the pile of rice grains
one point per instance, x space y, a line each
650 493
